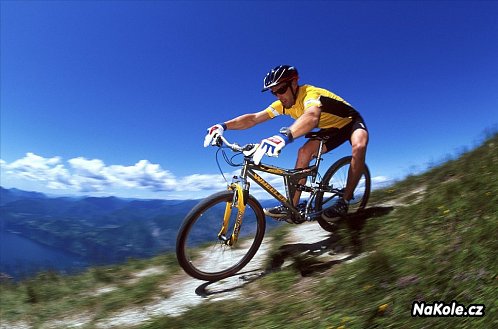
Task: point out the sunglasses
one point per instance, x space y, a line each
281 90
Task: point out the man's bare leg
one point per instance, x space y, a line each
304 157
359 141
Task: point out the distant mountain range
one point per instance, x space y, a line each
102 230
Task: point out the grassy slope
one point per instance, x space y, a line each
440 246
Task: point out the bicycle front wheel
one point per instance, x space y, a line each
336 179
200 251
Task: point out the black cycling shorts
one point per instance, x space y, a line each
339 136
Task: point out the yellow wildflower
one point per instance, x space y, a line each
382 308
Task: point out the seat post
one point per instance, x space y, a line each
318 160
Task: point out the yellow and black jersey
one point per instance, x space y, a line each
336 112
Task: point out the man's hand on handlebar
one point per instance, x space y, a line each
213 133
270 146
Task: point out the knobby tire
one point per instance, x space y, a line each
328 179
206 217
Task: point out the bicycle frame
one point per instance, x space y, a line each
291 182
239 219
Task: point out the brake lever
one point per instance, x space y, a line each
218 141
249 149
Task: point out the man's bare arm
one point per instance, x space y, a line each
307 122
246 121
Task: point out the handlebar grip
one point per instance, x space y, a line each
249 147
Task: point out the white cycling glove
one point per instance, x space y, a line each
270 146
216 130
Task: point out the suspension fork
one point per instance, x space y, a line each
239 201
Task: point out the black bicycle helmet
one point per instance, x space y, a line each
279 74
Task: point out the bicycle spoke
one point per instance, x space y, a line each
336 179
206 253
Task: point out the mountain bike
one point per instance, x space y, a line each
223 232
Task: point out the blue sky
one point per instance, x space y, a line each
114 97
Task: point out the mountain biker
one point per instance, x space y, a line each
311 107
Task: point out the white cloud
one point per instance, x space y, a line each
198 182
94 176
381 181
35 167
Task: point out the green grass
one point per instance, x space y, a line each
440 245
50 295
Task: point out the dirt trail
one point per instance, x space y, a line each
188 292
304 241
307 241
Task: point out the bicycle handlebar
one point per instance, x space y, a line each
220 141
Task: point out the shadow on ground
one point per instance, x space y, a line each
306 258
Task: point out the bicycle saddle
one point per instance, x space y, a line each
321 134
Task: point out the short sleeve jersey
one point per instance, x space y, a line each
335 111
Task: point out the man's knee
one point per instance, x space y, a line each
359 148
359 142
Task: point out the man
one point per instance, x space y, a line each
311 107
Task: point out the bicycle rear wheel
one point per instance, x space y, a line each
199 250
336 178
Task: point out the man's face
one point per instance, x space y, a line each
283 91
